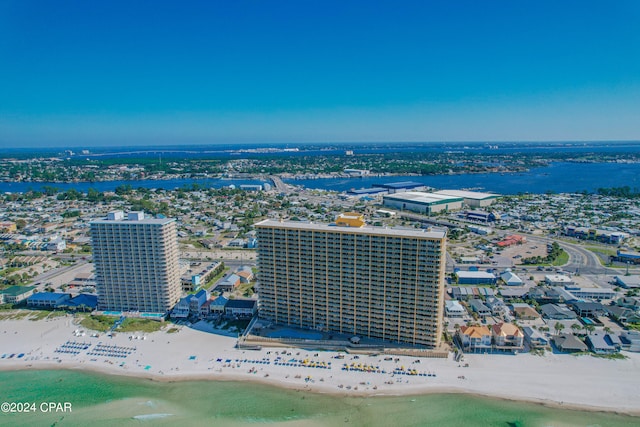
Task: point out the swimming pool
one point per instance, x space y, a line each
291 333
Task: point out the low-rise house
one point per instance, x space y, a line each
597 294
189 305
17 294
228 283
209 243
218 304
82 302
453 308
205 309
539 294
478 307
511 279
465 293
497 306
246 274
507 336
561 295
237 243
475 278
181 309
557 312
474 338
603 343
513 293
629 302
524 311
47 299
558 280
569 343
628 282
588 309
534 338
630 341
241 307
620 314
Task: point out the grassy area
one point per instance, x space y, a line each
561 259
217 277
172 330
39 315
98 323
193 242
246 289
239 324
13 314
602 250
140 325
55 314
614 356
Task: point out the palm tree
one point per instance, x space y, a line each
576 327
590 328
558 327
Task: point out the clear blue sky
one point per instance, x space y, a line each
85 73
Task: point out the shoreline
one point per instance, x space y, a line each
555 380
230 378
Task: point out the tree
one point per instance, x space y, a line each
590 328
558 327
576 327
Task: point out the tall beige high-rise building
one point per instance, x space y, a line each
136 263
366 281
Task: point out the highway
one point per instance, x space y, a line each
280 186
581 260
50 276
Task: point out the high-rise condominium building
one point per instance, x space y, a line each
136 263
367 281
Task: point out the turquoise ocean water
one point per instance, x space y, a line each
99 400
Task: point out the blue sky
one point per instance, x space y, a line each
86 73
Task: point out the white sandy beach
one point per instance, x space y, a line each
585 382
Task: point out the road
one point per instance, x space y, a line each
281 187
51 275
581 260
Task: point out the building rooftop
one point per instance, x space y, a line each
268 223
47 296
424 198
132 218
475 331
475 275
17 290
241 303
507 329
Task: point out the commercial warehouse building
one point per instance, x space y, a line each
371 282
471 198
424 203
